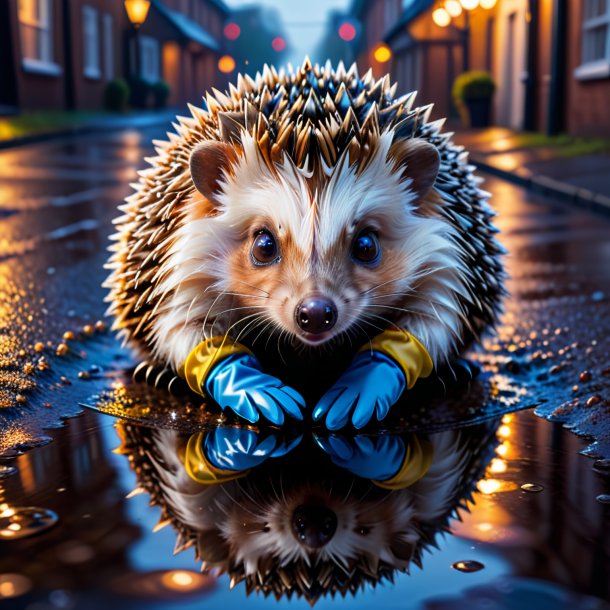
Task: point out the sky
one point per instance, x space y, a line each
304 20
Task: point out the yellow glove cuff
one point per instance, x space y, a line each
418 459
406 350
203 357
199 468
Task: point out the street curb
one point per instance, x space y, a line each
136 122
581 197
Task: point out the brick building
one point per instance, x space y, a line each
60 54
549 58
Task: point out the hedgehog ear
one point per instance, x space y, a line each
418 161
208 162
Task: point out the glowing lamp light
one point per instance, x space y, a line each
469 5
382 53
453 7
347 32
487 4
488 486
441 17
226 64
503 431
278 44
137 11
232 31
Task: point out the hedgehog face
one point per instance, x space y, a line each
314 256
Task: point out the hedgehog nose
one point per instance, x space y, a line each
316 314
314 525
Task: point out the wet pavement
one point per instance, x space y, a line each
545 546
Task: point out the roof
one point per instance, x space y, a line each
413 9
187 27
220 5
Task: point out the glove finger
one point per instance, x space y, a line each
243 407
294 395
269 407
327 401
363 413
285 448
339 413
365 445
382 408
266 446
286 401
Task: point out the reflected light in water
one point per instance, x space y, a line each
504 431
492 486
14 585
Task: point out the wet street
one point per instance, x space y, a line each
112 501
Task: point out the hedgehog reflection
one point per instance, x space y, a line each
307 515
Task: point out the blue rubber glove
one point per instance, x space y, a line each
237 383
239 449
372 384
373 458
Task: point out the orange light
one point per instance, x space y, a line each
441 17
497 465
488 486
504 431
487 4
382 53
502 449
226 64
137 11
453 7
469 5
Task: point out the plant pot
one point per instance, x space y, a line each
479 109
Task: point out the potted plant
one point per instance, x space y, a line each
161 92
472 93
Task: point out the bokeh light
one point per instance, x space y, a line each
232 31
347 32
441 17
278 44
469 4
453 7
487 4
382 53
226 64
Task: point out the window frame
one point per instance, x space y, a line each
594 68
108 45
43 62
147 44
92 59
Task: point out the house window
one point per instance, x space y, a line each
150 63
91 43
108 48
595 40
36 29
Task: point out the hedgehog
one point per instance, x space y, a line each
307 224
377 532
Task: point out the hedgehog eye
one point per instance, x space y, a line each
264 248
366 248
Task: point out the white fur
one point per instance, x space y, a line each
195 276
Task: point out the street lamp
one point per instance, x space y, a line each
450 9
137 11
